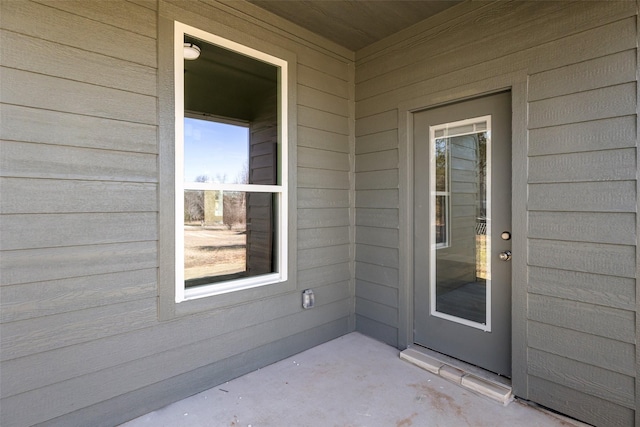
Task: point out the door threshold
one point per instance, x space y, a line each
471 377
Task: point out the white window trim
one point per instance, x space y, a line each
281 190
478 124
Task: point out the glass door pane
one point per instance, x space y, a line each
460 222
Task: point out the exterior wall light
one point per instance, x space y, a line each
191 51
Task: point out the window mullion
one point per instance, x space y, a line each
249 188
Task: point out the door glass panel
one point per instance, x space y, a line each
460 222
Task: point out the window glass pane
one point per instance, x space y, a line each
441 220
224 87
215 152
461 268
227 235
442 176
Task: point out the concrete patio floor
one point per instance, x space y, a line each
350 381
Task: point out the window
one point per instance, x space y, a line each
230 167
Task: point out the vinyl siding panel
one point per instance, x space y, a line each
58 162
377 180
61 61
386 257
381 275
45 21
616 132
610 291
148 399
41 196
324 140
615 37
40 299
386 218
377 330
53 93
322 81
52 127
594 227
82 343
576 124
578 404
609 70
598 382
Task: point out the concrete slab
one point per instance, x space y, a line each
351 381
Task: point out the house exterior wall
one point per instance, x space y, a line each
572 68
81 339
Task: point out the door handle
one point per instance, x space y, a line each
505 256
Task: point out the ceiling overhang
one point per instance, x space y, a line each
355 24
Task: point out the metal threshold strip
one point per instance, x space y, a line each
470 377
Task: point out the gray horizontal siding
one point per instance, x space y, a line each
323 275
19 159
60 128
47 22
593 319
323 237
61 61
583 197
610 165
81 340
580 405
378 255
595 227
319 218
616 36
607 353
591 380
60 296
609 291
605 134
75 261
124 407
386 218
128 16
608 70
41 196
53 93
601 103
377 180
101 355
598 258
379 274
581 182
325 140
377 330
33 231
311 198
323 81
68 395
323 159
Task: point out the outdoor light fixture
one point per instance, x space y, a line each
191 51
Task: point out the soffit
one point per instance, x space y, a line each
355 24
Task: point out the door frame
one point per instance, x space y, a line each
516 82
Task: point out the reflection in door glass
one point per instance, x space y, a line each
460 272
